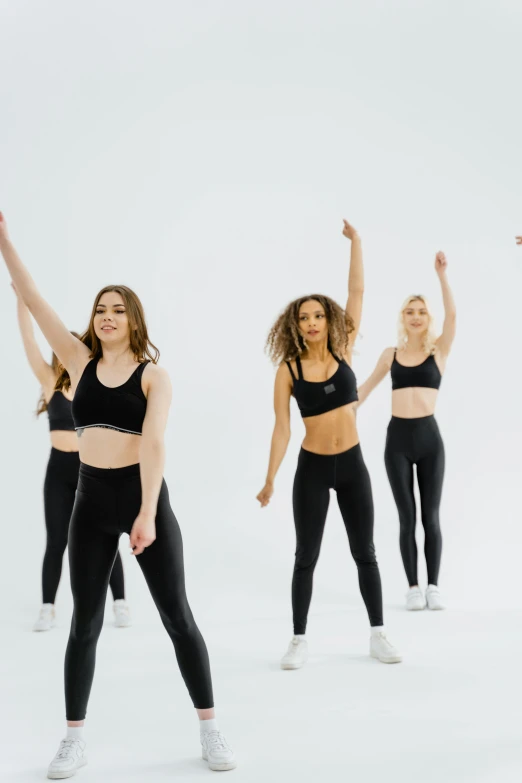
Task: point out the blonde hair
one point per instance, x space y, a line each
430 338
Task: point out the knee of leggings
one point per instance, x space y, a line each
85 630
430 523
305 562
365 557
179 621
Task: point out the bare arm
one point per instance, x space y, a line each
41 368
281 433
382 368
152 456
355 281
72 353
445 341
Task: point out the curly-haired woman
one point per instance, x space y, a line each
416 366
312 342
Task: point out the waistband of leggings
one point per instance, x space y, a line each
109 473
71 456
324 457
400 421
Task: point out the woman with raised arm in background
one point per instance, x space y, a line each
61 479
416 366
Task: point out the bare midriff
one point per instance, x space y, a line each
104 448
64 440
332 432
414 402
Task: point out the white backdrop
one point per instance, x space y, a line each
205 154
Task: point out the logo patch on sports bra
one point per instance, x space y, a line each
330 388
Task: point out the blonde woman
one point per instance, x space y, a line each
416 367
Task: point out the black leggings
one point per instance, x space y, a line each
346 473
60 484
417 442
107 503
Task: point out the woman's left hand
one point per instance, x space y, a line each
519 240
441 263
143 532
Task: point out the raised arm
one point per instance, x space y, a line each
42 369
445 341
72 353
382 368
355 281
152 455
281 433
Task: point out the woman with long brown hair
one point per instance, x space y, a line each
120 408
61 479
312 342
416 366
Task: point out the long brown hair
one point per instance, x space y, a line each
57 369
285 342
140 344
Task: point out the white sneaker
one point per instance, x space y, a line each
217 752
433 598
122 618
70 757
383 650
296 655
45 619
415 600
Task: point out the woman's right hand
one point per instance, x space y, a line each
519 240
265 494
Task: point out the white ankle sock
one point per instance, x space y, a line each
300 636
208 725
75 732
376 629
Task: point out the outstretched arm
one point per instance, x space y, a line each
281 434
445 341
41 368
355 281
72 353
382 368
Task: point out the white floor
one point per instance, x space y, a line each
451 712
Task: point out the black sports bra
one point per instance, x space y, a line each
121 408
424 375
316 397
59 413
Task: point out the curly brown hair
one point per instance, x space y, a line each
285 342
140 344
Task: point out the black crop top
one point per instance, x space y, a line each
121 408
425 375
316 397
59 412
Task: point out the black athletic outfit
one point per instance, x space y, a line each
60 483
316 474
107 503
417 442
